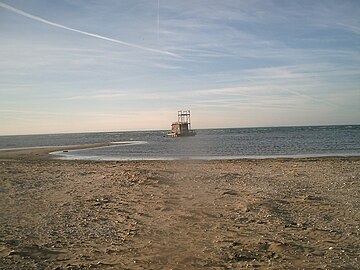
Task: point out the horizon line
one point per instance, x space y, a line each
153 130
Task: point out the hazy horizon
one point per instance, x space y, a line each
167 130
88 66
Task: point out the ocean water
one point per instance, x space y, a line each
234 143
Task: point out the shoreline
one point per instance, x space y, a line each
44 152
62 153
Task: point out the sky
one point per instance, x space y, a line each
113 65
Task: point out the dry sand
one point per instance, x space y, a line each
256 214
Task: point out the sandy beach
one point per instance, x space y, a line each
235 214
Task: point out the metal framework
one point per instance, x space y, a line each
184 118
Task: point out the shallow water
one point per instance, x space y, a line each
207 144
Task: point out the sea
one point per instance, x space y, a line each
208 144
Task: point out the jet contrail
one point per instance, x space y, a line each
158 21
311 97
36 18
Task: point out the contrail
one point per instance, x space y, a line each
36 18
158 21
311 97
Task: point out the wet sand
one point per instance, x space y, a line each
256 214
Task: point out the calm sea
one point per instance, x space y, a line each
310 141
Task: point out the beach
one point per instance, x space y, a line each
228 214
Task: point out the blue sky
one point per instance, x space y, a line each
76 65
